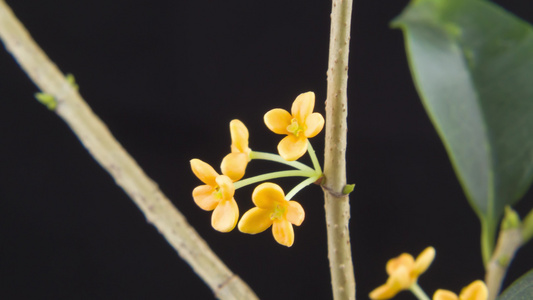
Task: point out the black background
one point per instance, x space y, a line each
167 77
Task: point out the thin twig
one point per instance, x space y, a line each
96 137
336 203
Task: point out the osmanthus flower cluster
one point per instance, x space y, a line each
404 271
273 208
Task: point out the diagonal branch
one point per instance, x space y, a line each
95 136
513 234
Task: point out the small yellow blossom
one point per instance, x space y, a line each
234 164
272 209
403 272
477 290
216 194
298 125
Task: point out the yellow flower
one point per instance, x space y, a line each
403 272
298 125
272 209
216 194
477 290
234 164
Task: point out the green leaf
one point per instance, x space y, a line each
521 289
527 227
46 99
472 63
348 188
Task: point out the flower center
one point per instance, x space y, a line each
218 193
295 127
278 213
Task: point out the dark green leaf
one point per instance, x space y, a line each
472 63
521 289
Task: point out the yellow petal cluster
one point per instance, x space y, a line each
234 164
403 272
477 290
272 209
216 194
299 125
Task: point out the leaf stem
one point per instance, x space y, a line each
105 149
487 240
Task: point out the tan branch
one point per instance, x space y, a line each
96 137
336 203
509 241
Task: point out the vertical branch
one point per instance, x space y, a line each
336 203
100 143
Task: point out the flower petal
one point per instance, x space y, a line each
283 232
398 280
313 125
423 261
383 292
234 165
227 189
477 290
204 197
295 213
255 220
277 120
303 106
292 147
444 295
239 136
267 195
225 215
403 260
204 172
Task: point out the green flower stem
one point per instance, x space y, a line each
300 186
312 154
274 157
273 175
100 143
418 292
